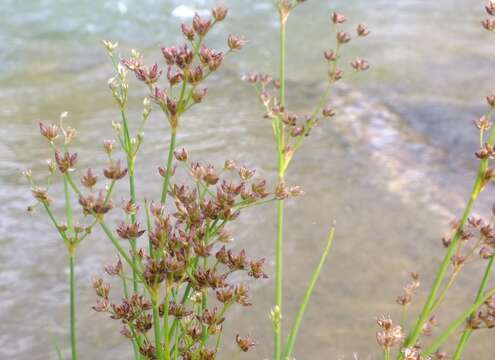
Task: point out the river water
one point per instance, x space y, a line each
391 169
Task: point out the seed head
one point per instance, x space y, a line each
330 55
219 13
198 95
483 123
328 111
230 165
389 335
362 30
108 146
181 155
89 179
188 32
65 162
489 24
235 43
41 194
490 8
360 64
244 343
115 171
246 173
201 26
343 37
338 18
50 132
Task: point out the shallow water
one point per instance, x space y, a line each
392 169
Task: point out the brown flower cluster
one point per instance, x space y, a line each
485 318
477 241
296 128
187 66
191 255
389 335
409 290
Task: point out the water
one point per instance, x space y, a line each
392 169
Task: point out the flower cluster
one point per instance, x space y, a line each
289 125
187 66
485 318
190 256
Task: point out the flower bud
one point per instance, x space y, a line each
330 55
108 146
198 95
235 43
360 64
50 132
219 13
89 179
338 18
488 24
362 30
230 165
110 46
343 37
181 155
187 31
328 111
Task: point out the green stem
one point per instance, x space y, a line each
168 173
156 326
73 337
467 331
132 190
283 35
425 313
166 324
386 353
307 296
280 203
456 323
72 253
279 275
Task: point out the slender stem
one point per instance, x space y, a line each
72 254
156 326
307 296
132 187
72 282
425 313
279 275
165 323
445 290
456 323
283 35
467 331
132 190
386 353
168 173
280 203
432 296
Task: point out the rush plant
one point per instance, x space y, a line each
177 272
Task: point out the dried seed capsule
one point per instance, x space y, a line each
362 30
50 132
235 43
89 179
360 64
244 343
219 13
338 18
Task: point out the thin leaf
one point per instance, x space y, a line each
307 296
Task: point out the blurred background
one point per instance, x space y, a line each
392 168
